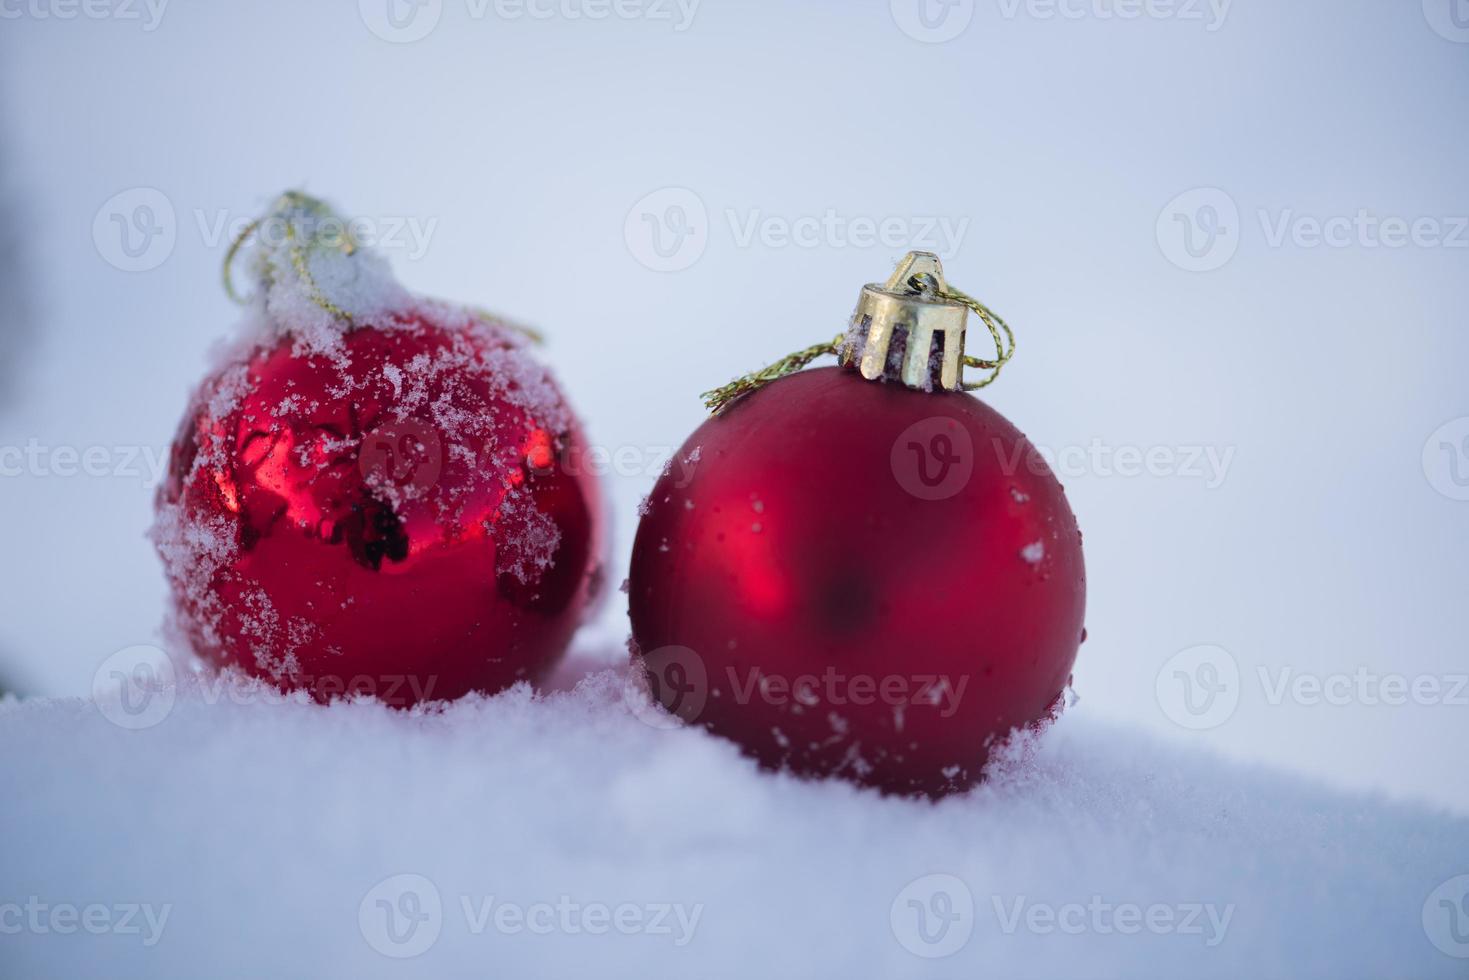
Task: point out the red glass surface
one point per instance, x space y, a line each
393 518
856 579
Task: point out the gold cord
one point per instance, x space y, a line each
995 323
298 262
720 397
229 260
288 202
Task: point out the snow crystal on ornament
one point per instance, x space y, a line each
1033 552
272 643
193 552
528 538
394 376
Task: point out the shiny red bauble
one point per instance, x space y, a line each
386 514
851 578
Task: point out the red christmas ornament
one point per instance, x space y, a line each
369 496
861 579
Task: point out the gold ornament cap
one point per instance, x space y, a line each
915 302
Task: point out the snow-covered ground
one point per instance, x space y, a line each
1300 547
237 834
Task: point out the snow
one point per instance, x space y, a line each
253 834
529 538
307 270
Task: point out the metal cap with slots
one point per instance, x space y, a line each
916 302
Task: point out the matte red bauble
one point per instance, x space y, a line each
851 577
368 496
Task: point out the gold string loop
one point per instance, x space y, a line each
717 399
229 261
287 207
996 324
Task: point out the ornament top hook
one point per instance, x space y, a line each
916 302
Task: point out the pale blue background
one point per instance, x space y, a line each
1325 369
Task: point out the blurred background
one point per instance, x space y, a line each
1232 237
